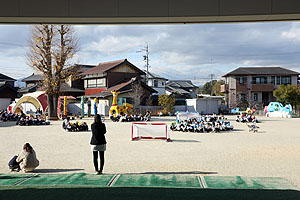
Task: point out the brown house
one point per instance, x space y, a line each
119 75
8 92
255 85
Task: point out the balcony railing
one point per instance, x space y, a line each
262 87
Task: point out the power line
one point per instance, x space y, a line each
163 50
13 44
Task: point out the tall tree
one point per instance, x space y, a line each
207 88
287 94
217 88
50 49
213 87
137 94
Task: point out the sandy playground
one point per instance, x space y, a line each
272 152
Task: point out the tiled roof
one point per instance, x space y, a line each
155 76
117 87
106 66
64 87
32 88
177 90
182 83
261 71
34 77
120 86
80 68
4 77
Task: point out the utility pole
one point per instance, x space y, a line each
211 76
146 59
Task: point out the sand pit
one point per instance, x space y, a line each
272 152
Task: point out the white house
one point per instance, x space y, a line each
157 83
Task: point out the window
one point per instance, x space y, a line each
278 80
259 80
273 79
91 83
155 83
255 97
241 80
242 97
286 80
162 83
94 83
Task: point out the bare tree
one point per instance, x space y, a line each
137 94
50 49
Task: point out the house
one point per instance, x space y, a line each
119 75
182 90
157 82
8 92
255 85
73 87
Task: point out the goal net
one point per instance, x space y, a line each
150 131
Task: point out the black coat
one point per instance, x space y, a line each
98 131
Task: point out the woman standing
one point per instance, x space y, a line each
98 142
27 158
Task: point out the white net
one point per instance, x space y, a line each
181 116
150 131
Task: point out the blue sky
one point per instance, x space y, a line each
190 51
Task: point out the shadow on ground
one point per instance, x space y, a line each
75 193
236 129
8 124
164 119
175 140
55 170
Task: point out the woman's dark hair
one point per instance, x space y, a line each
27 147
97 119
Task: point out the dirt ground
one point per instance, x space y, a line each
272 152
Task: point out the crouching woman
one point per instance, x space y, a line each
27 158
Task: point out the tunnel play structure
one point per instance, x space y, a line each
39 99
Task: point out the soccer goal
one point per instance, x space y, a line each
149 131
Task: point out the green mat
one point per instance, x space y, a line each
146 180
12 179
69 179
157 181
238 182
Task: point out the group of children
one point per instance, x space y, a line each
131 118
74 127
23 119
32 121
6 116
246 118
204 124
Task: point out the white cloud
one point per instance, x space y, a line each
176 51
293 33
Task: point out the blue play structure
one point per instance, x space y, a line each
234 111
277 107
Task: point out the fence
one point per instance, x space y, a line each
155 110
